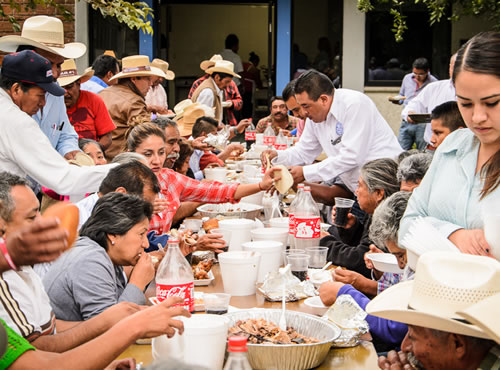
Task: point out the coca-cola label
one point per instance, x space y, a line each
250 135
280 147
269 140
307 228
185 291
291 224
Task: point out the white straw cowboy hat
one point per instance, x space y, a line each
186 104
484 314
223 66
137 66
163 65
45 33
445 283
191 114
211 62
69 73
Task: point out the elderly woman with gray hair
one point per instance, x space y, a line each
412 170
347 245
383 231
89 278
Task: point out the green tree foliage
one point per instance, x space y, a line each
136 15
437 9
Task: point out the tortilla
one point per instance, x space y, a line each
285 183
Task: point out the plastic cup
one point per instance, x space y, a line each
288 252
216 303
299 265
226 236
317 256
342 208
193 224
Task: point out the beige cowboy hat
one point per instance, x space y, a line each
183 106
187 114
211 62
223 66
46 33
445 283
69 73
81 159
484 315
161 64
137 66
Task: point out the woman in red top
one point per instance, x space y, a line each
149 140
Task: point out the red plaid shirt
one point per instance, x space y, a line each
177 188
231 93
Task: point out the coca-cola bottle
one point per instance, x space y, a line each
281 142
250 134
307 221
269 136
237 359
174 277
291 216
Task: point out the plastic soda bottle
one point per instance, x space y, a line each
237 359
269 135
307 221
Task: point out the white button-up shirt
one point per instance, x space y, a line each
207 97
434 94
354 133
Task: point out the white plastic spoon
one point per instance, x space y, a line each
282 323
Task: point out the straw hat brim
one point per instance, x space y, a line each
169 75
185 130
153 72
72 50
63 81
483 314
393 304
222 70
206 64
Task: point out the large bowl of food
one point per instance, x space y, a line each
304 345
228 210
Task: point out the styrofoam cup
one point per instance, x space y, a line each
240 228
203 342
271 233
239 272
216 174
271 255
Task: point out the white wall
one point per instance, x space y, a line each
199 31
467 27
82 32
353 57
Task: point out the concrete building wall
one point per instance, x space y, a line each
391 112
353 57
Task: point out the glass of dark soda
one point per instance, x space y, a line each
342 208
298 265
216 303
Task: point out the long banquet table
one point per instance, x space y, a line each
361 357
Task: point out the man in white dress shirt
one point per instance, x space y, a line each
344 124
434 94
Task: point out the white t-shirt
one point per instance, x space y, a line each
25 306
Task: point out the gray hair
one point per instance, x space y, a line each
381 174
7 204
115 214
163 122
414 167
127 157
406 153
386 219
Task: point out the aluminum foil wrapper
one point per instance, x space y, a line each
272 288
218 141
350 318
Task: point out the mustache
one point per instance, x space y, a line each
173 156
414 362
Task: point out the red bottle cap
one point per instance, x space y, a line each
237 344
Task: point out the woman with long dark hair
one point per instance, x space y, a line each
464 176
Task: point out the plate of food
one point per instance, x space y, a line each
202 273
420 117
229 210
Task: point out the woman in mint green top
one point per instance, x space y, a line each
465 173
